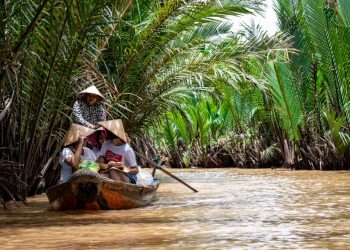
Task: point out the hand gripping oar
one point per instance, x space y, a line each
153 164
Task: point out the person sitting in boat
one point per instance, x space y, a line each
88 110
96 140
116 157
74 151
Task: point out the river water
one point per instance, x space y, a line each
234 209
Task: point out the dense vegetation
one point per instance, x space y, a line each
184 84
296 116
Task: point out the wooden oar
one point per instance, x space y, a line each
153 164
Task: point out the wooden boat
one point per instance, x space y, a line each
88 190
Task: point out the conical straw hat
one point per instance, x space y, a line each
91 90
116 127
75 131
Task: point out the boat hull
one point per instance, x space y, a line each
88 190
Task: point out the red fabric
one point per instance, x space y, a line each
110 156
93 140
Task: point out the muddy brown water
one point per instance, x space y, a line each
235 209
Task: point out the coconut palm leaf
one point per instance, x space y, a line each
284 94
340 139
325 34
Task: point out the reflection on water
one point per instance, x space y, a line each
236 209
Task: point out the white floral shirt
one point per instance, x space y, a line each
84 114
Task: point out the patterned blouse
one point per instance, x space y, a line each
85 114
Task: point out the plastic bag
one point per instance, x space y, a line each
144 177
89 165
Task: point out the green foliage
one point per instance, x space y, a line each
339 140
144 56
286 105
320 30
279 96
174 69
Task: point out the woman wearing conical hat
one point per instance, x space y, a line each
74 151
88 110
116 152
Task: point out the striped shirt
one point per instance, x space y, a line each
84 114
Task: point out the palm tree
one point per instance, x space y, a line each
320 30
144 55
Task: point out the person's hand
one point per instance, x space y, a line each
116 164
103 166
111 163
81 139
91 126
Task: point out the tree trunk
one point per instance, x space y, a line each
289 154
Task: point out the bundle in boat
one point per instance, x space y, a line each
88 190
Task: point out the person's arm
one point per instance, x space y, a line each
102 163
74 160
101 113
78 116
101 158
134 170
130 161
